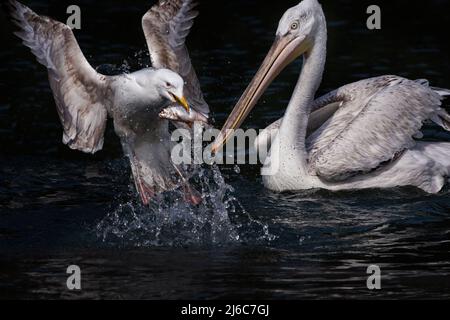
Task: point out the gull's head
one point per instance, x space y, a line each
296 35
167 85
170 86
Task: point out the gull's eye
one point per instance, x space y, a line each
168 85
294 25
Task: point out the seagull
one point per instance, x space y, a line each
136 101
362 135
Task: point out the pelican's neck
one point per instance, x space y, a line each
292 135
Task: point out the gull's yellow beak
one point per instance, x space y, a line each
182 101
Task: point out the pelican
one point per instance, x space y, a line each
136 101
361 135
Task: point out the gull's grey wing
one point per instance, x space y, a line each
376 120
166 26
79 91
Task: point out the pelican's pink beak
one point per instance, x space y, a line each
283 51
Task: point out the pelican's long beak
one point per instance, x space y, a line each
182 101
283 51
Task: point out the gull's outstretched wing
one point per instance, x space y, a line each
166 26
79 91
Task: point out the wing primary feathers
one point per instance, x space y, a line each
166 26
78 90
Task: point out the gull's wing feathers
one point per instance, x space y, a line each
79 91
376 121
166 26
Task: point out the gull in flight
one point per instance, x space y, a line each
139 103
362 135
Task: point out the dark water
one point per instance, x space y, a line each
59 207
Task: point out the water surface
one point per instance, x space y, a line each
60 207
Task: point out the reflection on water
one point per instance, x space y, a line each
60 207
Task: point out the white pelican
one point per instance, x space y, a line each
85 98
361 135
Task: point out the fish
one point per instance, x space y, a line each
179 114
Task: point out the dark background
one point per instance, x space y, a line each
59 207
227 44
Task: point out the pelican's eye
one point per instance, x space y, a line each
294 25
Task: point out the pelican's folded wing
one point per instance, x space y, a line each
166 26
376 121
79 91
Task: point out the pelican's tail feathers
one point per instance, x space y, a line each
442 118
441 91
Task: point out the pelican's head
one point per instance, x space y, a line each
295 36
299 25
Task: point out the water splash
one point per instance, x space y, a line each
169 221
138 61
